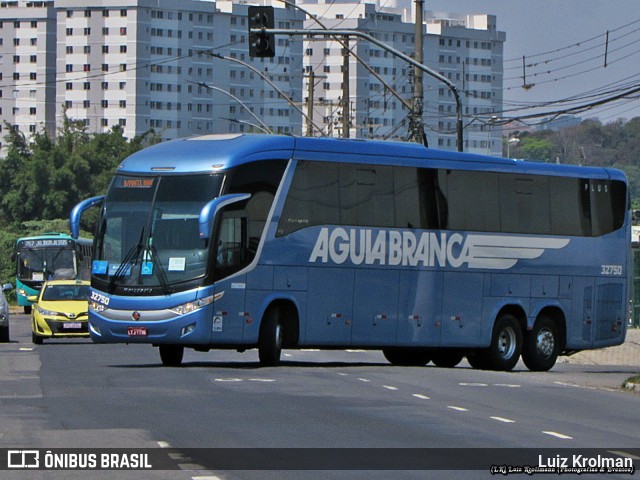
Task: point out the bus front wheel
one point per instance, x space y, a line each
541 346
171 355
270 339
506 344
407 357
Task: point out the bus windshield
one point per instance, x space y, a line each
40 264
148 236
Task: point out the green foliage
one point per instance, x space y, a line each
616 144
43 179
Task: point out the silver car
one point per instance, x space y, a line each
4 314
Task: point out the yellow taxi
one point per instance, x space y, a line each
60 310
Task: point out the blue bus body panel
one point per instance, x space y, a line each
448 303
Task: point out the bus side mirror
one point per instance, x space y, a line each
76 214
211 209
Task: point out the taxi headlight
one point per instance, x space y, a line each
47 313
192 306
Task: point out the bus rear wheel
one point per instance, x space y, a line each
541 346
506 344
4 334
171 355
407 357
270 339
446 358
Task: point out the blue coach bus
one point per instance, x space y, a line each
51 255
271 242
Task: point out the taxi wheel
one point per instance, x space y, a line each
36 339
4 334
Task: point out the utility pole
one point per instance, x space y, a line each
345 89
393 51
417 127
312 76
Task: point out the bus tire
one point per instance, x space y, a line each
27 309
407 357
270 339
478 360
446 358
506 344
171 355
36 339
541 346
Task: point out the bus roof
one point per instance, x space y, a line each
212 153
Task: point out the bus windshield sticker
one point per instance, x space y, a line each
124 272
177 264
99 267
147 268
39 276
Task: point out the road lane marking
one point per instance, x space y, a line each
262 379
227 379
458 409
502 419
423 397
389 387
473 384
558 435
162 444
364 380
508 385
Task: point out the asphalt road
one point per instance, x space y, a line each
74 394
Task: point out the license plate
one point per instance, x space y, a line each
137 331
71 325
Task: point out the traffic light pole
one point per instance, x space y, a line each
393 51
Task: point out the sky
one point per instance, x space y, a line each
564 42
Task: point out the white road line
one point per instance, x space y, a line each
25 349
575 385
262 379
558 435
464 384
389 387
502 419
227 379
343 374
162 444
423 397
209 477
458 409
508 385
364 380
287 355
355 351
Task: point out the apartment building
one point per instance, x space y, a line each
181 68
27 69
466 49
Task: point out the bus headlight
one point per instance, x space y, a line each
192 306
97 307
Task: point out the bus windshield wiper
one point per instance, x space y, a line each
132 254
162 275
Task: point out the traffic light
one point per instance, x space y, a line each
261 44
